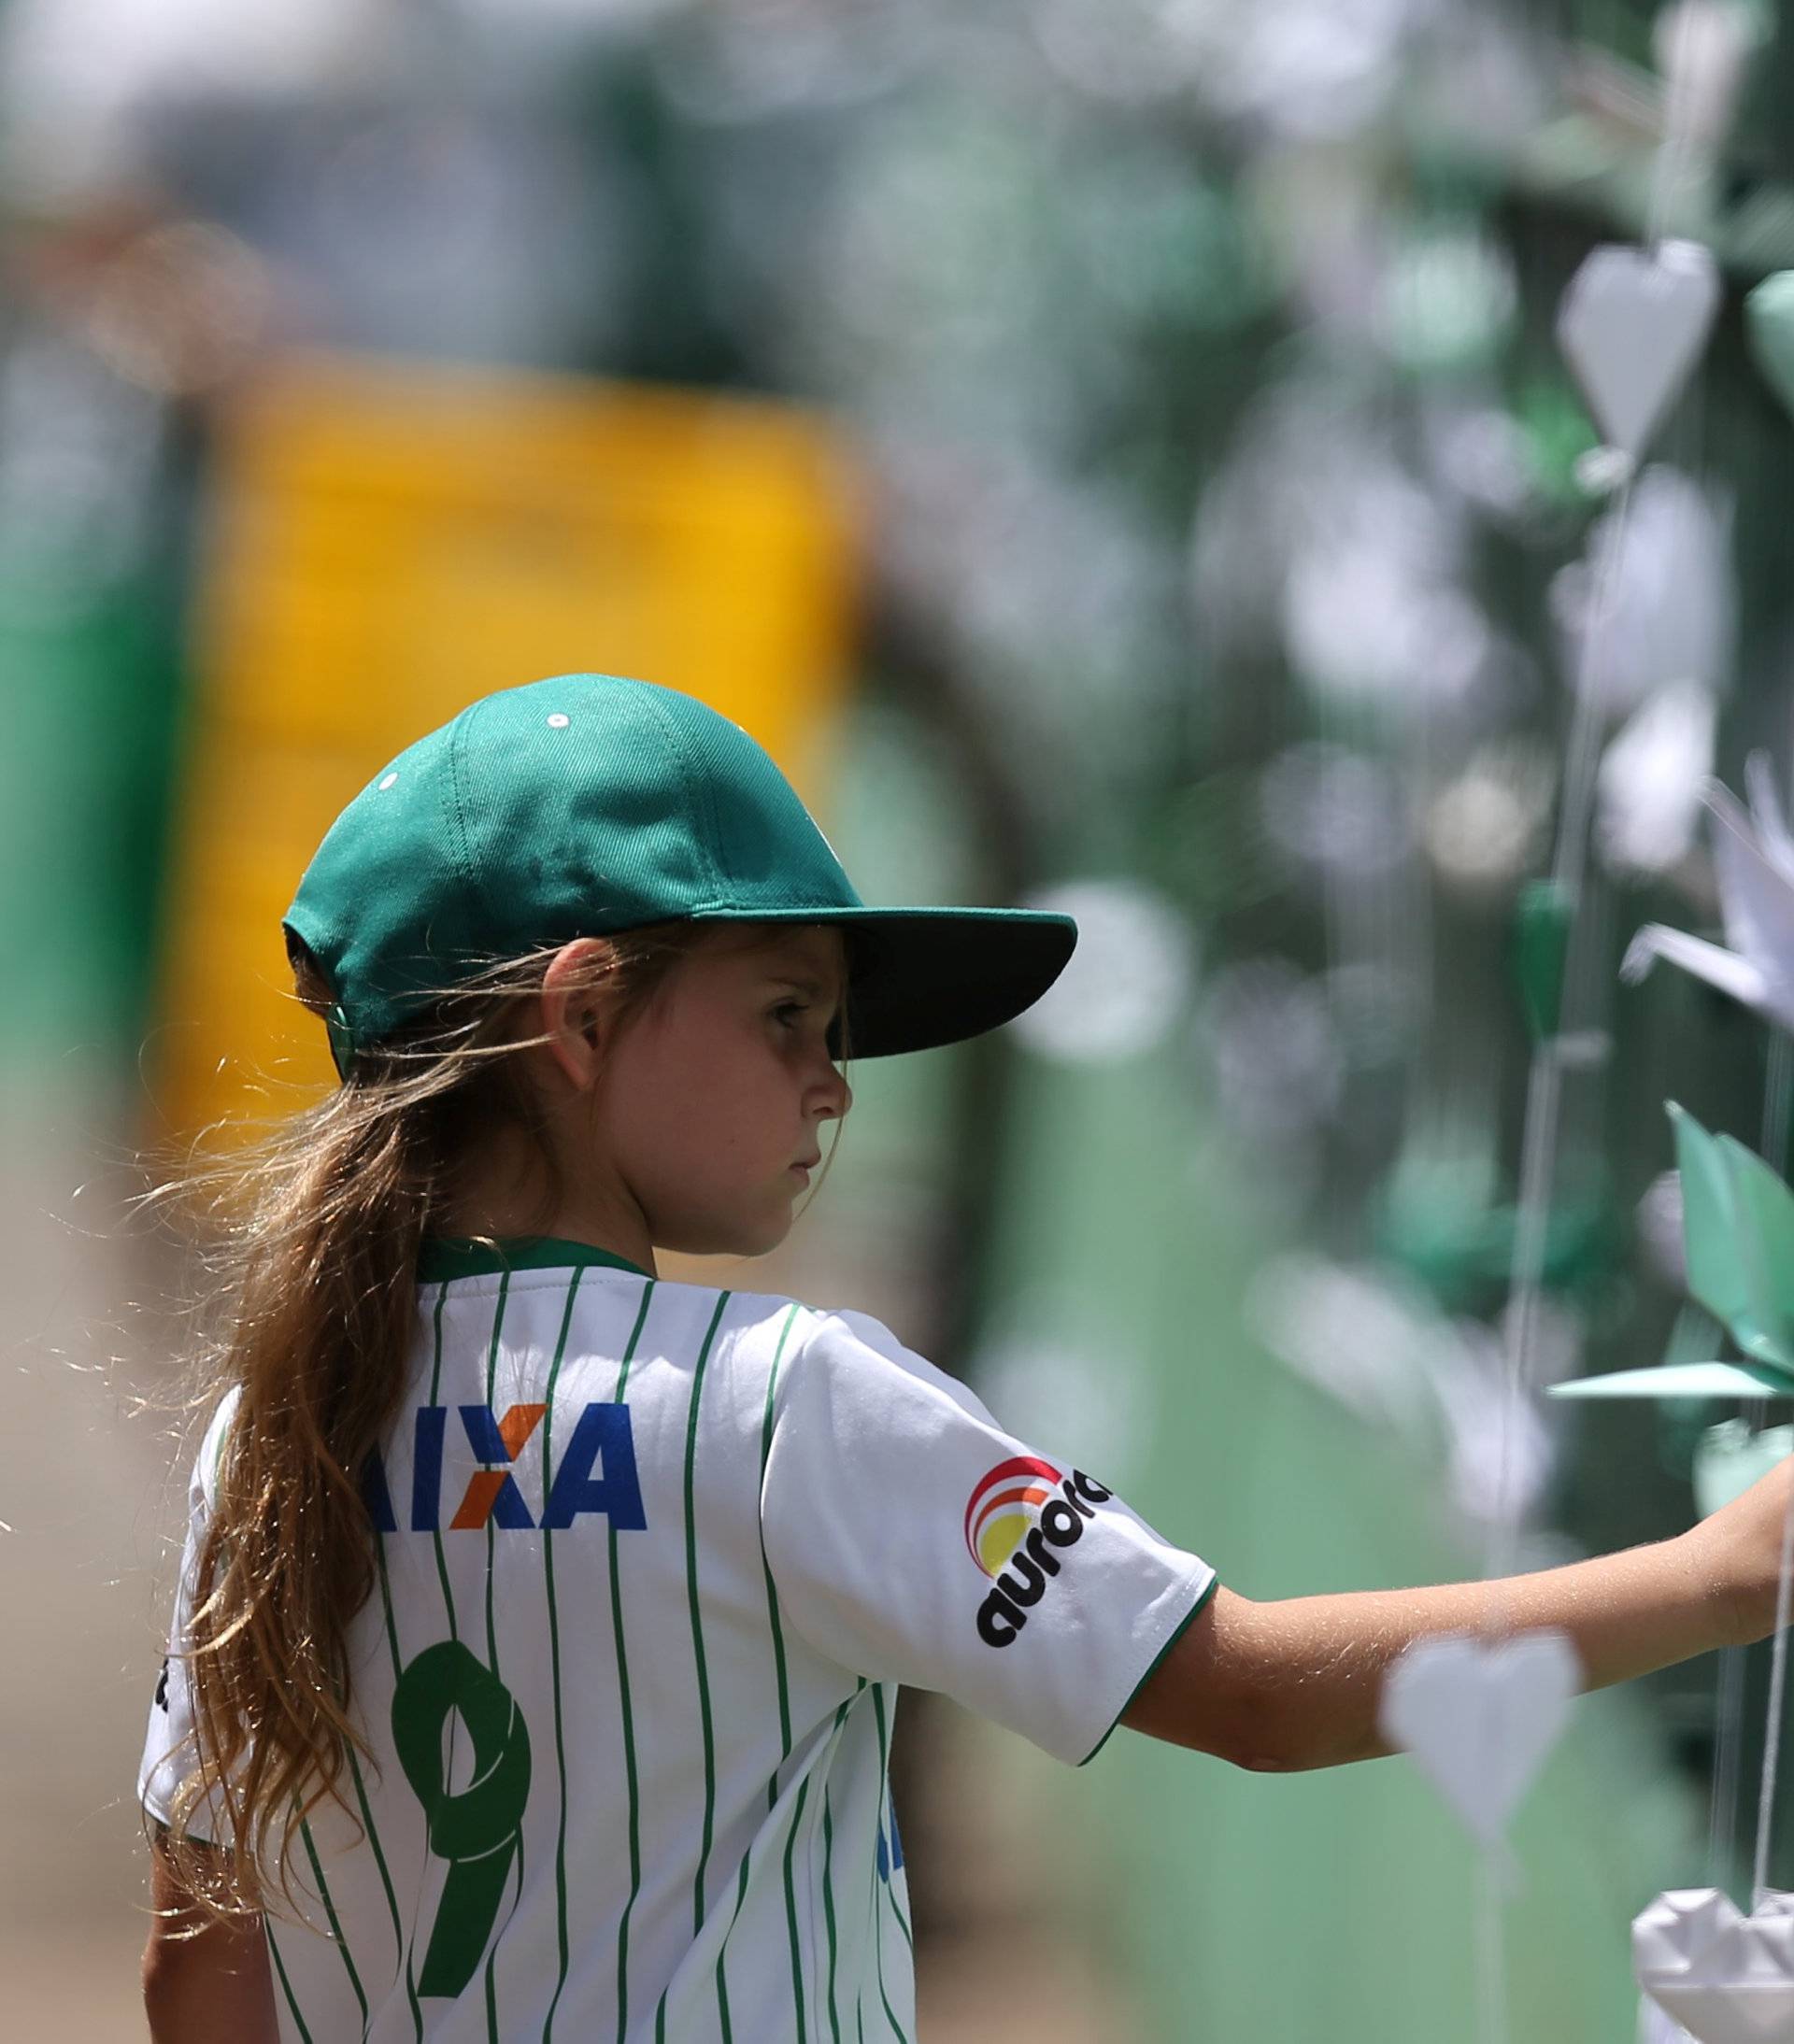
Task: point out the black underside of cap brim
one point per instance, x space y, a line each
921 977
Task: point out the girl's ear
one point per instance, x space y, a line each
576 1009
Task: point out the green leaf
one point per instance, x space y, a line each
1769 323
1765 1212
1542 921
1683 1380
1710 1224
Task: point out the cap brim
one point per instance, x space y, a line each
921 977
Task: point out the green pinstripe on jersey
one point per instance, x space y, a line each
878 1914
772 1593
879 1953
385 1600
791 1911
697 1641
393 1641
634 1826
784 1688
492 1653
554 1660
435 1396
697 1621
887 1821
492 1531
336 1929
828 1863
722 1956
903 1926
402 1960
784 1717
286 1985
828 1896
784 1731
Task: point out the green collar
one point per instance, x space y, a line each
444 1258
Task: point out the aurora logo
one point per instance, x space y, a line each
1021 1515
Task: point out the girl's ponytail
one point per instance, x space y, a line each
309 1310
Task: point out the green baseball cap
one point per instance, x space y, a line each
588 804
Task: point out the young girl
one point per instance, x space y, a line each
541 1621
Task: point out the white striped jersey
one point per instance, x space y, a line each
654 1560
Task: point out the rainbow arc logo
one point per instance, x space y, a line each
1004 1506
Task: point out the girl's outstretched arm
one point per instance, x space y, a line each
209 1986
1293 1684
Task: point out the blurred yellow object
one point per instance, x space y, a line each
392 540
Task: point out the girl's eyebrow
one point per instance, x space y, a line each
804 984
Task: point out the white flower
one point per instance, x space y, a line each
1754 859
1651 779
1669 610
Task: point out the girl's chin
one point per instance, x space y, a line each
749 1236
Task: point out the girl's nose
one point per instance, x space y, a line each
837 1093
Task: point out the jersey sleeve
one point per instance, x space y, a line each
169 1754
910 1538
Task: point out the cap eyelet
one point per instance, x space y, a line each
559 721
388 782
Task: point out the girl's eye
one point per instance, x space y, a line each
785 1012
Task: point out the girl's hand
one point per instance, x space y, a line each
1738 1550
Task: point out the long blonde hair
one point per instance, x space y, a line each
307 1246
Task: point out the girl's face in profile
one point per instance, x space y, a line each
710 1105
